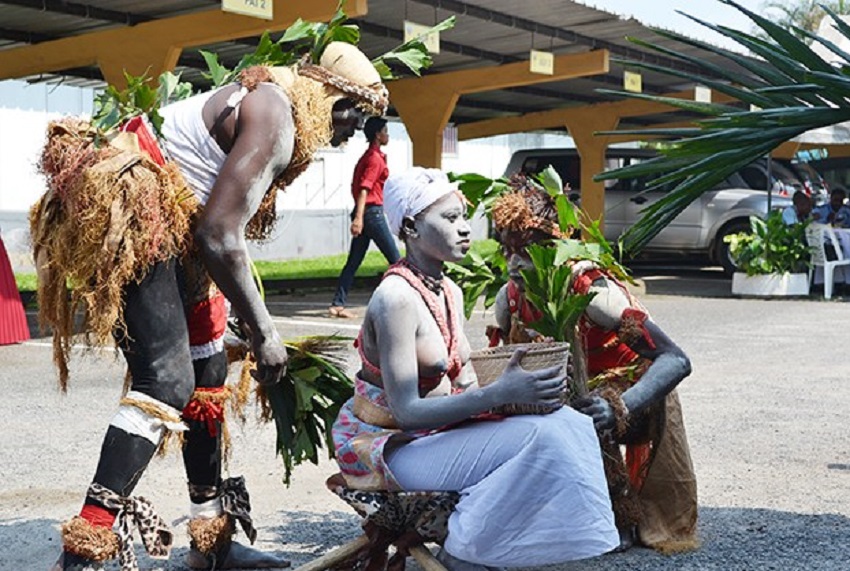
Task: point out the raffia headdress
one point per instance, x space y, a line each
526 208
344 72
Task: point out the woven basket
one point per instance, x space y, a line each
490 363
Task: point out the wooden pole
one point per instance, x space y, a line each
336 556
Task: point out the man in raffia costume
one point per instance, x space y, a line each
150 237
632 368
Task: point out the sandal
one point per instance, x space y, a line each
340 312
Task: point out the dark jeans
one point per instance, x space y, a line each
374 228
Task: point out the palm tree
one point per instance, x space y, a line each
804 14
787 91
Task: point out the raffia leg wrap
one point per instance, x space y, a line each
212 536
90 541
624 499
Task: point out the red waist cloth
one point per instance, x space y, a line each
147 142
13 320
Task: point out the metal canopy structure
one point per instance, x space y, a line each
480 80
488 33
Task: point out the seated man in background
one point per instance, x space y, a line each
835 212
799 210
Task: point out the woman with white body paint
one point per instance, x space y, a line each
532 487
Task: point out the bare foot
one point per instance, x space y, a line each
237 557
452 563
627 540
70 562
341 312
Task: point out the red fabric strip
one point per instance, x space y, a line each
206 411
207 320
147 142
98 516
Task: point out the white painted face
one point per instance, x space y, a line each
442 230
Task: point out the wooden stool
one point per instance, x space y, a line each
406 520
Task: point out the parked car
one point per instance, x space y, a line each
834 170
701 227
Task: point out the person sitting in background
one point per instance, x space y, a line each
367 220
835 212
799 210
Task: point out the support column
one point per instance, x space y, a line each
135 61
425 116
591 149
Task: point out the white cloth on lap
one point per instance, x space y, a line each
533 488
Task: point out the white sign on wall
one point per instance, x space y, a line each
255 8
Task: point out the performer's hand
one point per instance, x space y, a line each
599 410
356 227
518 386
271 360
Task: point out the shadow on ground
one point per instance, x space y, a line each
733 539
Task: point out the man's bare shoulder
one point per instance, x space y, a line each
268 104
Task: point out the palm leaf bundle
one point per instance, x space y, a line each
788 90
305 403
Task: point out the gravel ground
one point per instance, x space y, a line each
764 410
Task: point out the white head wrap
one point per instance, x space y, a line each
411 192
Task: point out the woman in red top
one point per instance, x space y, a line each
367 220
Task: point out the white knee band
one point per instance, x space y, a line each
206 510
133 420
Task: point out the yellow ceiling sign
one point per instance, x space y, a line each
255 8
632 81
542 62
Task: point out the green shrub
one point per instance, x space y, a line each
772 247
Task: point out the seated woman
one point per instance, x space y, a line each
634 367
532 487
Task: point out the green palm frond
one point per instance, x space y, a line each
788 90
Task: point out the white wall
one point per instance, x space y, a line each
314 210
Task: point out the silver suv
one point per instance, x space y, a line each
700 229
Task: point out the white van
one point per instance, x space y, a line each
700 228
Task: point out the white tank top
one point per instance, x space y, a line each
189 144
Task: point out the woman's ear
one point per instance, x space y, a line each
408 227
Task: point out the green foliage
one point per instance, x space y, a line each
772 247
479 190
305 403
412 56
551 181
786 91
482 272
302 38
547 287
113 106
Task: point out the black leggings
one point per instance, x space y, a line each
155 344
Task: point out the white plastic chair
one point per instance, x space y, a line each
816 236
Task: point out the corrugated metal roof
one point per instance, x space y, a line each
488 32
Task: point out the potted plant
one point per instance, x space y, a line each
773 258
